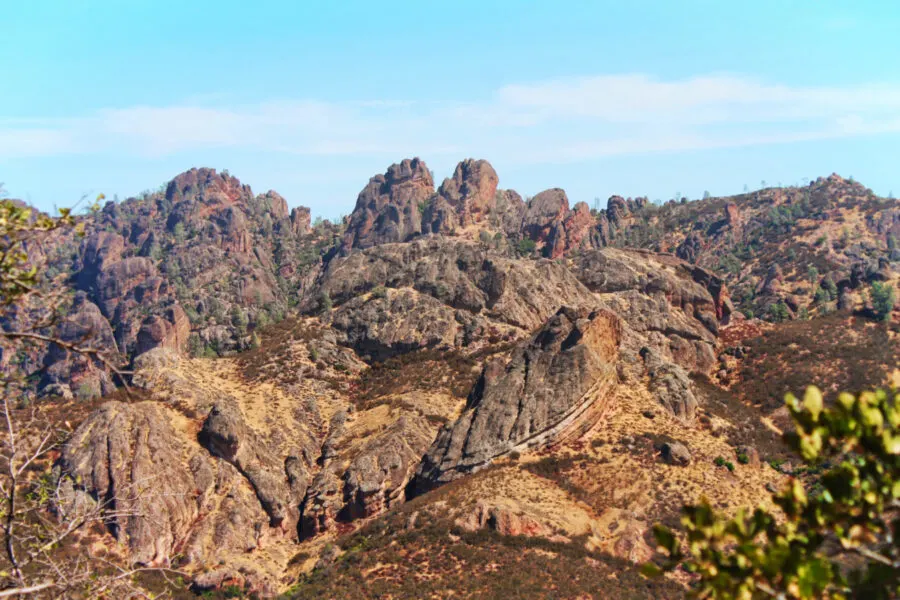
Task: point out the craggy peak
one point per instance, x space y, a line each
449 388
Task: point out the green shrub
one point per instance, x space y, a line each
526 247
835 540
882 300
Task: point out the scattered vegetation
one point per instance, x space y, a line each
836 540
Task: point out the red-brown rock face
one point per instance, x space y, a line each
543 212
578 226
212 190
471 191
277 205
388 208
169 330
300 220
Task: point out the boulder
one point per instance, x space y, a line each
226 435
301 218
676 453
671 386
542 213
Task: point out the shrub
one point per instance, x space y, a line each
834 541
325 303
778 312
526 247
882 300
743 459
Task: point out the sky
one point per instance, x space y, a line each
311 98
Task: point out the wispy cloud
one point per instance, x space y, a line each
560 120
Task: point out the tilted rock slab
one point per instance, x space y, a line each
552 384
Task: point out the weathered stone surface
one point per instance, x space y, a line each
226 435
672 305
404 320
543 213
509 209
115 458
375 479
676 453
471 191
502 520
387 210
671 385
440 217
277 205
461 274
301 219
83 326
550 383
324 501
168 330
578 225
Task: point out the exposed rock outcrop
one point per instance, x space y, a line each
460 274
471 191
388 208
114 459
375 479
556 381
674 306
671 386
226 435
86 375
301 218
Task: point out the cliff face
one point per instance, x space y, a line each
558 381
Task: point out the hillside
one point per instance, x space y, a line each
814 249
450 384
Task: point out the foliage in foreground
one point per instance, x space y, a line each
835 540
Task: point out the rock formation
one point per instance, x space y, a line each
389 209
556 381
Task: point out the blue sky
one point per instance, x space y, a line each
311 98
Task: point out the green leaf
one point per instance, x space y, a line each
650 570
812 402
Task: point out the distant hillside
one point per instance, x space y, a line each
810 250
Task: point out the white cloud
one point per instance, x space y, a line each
561 120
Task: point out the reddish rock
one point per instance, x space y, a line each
388 208
133 280
732 215
543 213
578 226
300 220
471 191
234 233
503 520
440 217
169 330
509 209
277 205
210 189
618 212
